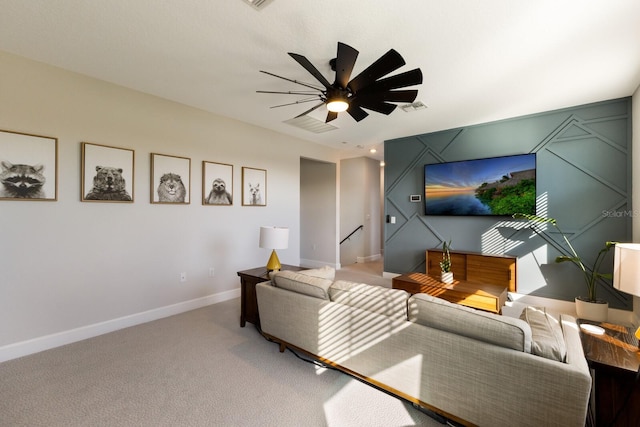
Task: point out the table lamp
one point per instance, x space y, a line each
274 238
626 270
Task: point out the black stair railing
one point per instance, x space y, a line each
360 227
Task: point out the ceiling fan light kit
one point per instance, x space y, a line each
337 105
367 91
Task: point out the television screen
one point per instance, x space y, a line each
493 186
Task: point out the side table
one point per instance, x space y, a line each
614 360
248 300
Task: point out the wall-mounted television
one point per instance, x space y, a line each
492 186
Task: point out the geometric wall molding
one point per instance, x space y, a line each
583 181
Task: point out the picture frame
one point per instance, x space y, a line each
107 173
28 167
217 184
170 179
254 187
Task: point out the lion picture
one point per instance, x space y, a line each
171 189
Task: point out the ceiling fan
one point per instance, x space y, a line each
368 90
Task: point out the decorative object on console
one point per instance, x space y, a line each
446 275
626 270
274 238
588 307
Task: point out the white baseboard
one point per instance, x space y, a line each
35 345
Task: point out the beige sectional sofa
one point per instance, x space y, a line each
470 366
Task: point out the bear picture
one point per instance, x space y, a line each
107 173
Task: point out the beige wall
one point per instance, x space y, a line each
72 269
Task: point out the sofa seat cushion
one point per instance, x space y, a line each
302 283
492 328
547 338
376 299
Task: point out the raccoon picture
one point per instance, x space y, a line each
108 184
219 194
171 189
21 181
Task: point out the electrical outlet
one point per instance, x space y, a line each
212 272
183 277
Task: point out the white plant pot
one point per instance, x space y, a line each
596 311
446 277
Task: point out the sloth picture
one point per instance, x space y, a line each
219 194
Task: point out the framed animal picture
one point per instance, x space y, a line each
170 179
217 184
107 173
28 167
254 187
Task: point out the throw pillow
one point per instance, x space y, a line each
547 339
302 283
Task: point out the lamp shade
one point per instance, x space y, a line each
626 268
274 237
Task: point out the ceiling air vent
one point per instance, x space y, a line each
310 124
258 4
407 108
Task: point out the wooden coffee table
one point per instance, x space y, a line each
471 294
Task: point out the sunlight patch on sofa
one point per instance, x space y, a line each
365 329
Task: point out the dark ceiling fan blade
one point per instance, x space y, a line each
345 61
310 110
356 112
301 101
408 78
386 64
289 92
311 69
331 116
291 80
392 95
380 107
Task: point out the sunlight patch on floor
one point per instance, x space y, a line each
362 405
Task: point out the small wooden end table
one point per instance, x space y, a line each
471 294
614 359
248 300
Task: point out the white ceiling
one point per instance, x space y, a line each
482 60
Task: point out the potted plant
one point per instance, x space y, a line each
446 275
587 307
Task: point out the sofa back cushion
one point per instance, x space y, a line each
499 330
302 283
547 338
325 272
376 299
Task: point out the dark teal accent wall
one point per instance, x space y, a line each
583 181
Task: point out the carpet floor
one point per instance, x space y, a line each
198 368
